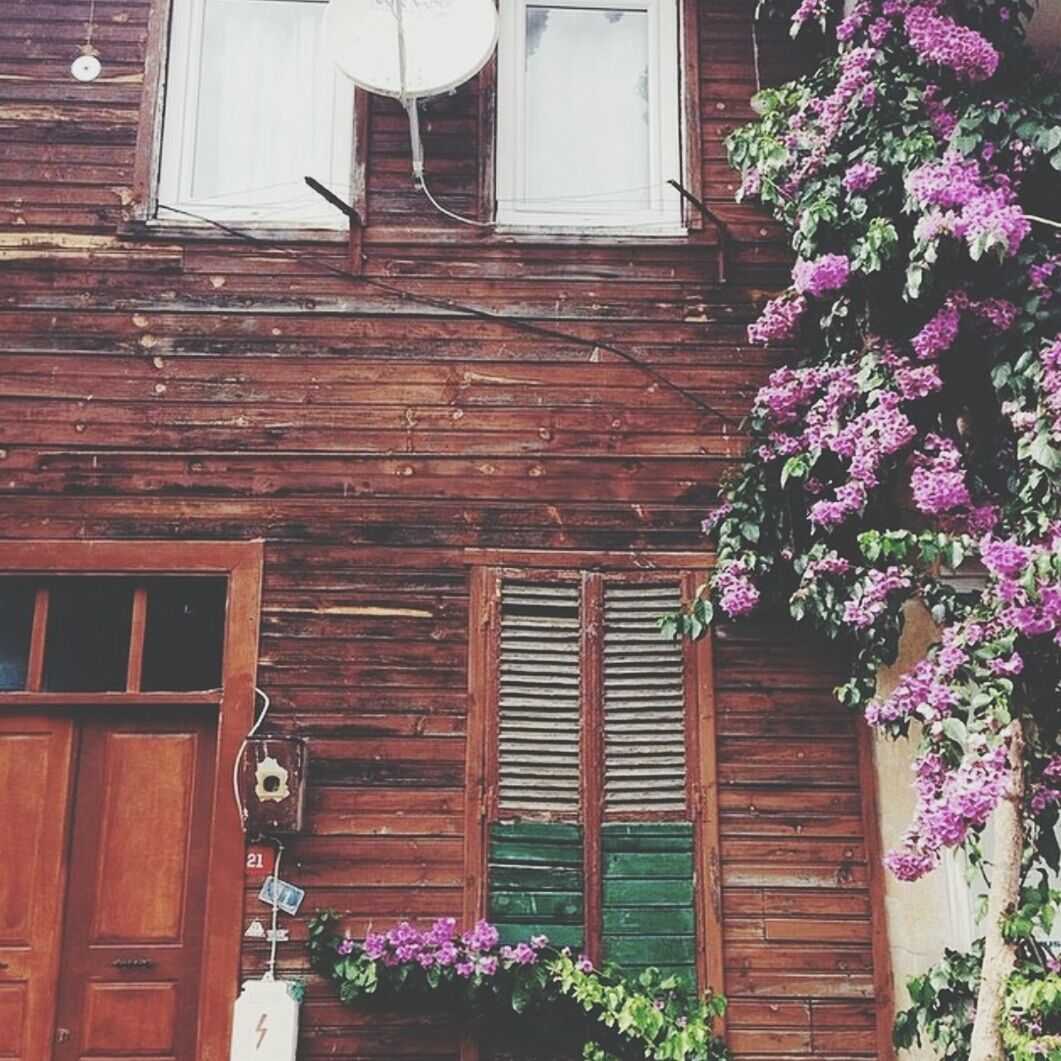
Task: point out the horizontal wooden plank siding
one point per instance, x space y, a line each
796 895
156 385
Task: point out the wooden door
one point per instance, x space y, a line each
140 836
35 758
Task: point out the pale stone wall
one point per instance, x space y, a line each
928 915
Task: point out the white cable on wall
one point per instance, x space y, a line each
242 748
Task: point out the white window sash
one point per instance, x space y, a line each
178 141
664 213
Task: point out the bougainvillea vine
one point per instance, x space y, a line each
913 431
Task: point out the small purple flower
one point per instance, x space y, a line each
584 965
346 947
830 272
375 946
861 176
779 320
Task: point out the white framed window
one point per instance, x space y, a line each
252 105
589 114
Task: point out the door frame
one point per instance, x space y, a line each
241 564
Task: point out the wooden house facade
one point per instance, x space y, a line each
427 485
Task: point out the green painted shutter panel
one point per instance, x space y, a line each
539 698
648 908
536 881
644 702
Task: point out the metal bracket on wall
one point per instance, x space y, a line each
357 224
716 222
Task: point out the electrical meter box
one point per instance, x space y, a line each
272 782
265 1022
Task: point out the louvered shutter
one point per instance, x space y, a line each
644 702
539 698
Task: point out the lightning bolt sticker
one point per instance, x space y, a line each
261 1030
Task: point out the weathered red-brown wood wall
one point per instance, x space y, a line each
200 388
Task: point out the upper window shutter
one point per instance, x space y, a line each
644 702
539 696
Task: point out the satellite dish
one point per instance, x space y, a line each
410 48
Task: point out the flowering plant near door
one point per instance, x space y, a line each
918 428
652 1016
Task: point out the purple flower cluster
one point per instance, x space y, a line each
1003 557
815 409
938 478
865 441
940 332
995 216
917 381
943 119
830 272
951 802
715 516
964 202
871 597
919 694
1047 791
816 127
941 41
938 335
737 592
779 320
861 176
830 563
810 10
953 181
1040 276
1000 313
472 953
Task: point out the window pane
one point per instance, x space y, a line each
185 634
265 107
86 648
17 596
586 110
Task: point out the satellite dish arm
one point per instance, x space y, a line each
414 136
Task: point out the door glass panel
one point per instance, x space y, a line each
185 634
87 645
17 596
587 110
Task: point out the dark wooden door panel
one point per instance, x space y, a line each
132 943
35 769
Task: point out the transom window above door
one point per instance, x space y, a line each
252 103
588 114
88 634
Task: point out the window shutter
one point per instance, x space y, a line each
644 702
539 698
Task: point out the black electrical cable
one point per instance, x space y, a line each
457 307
